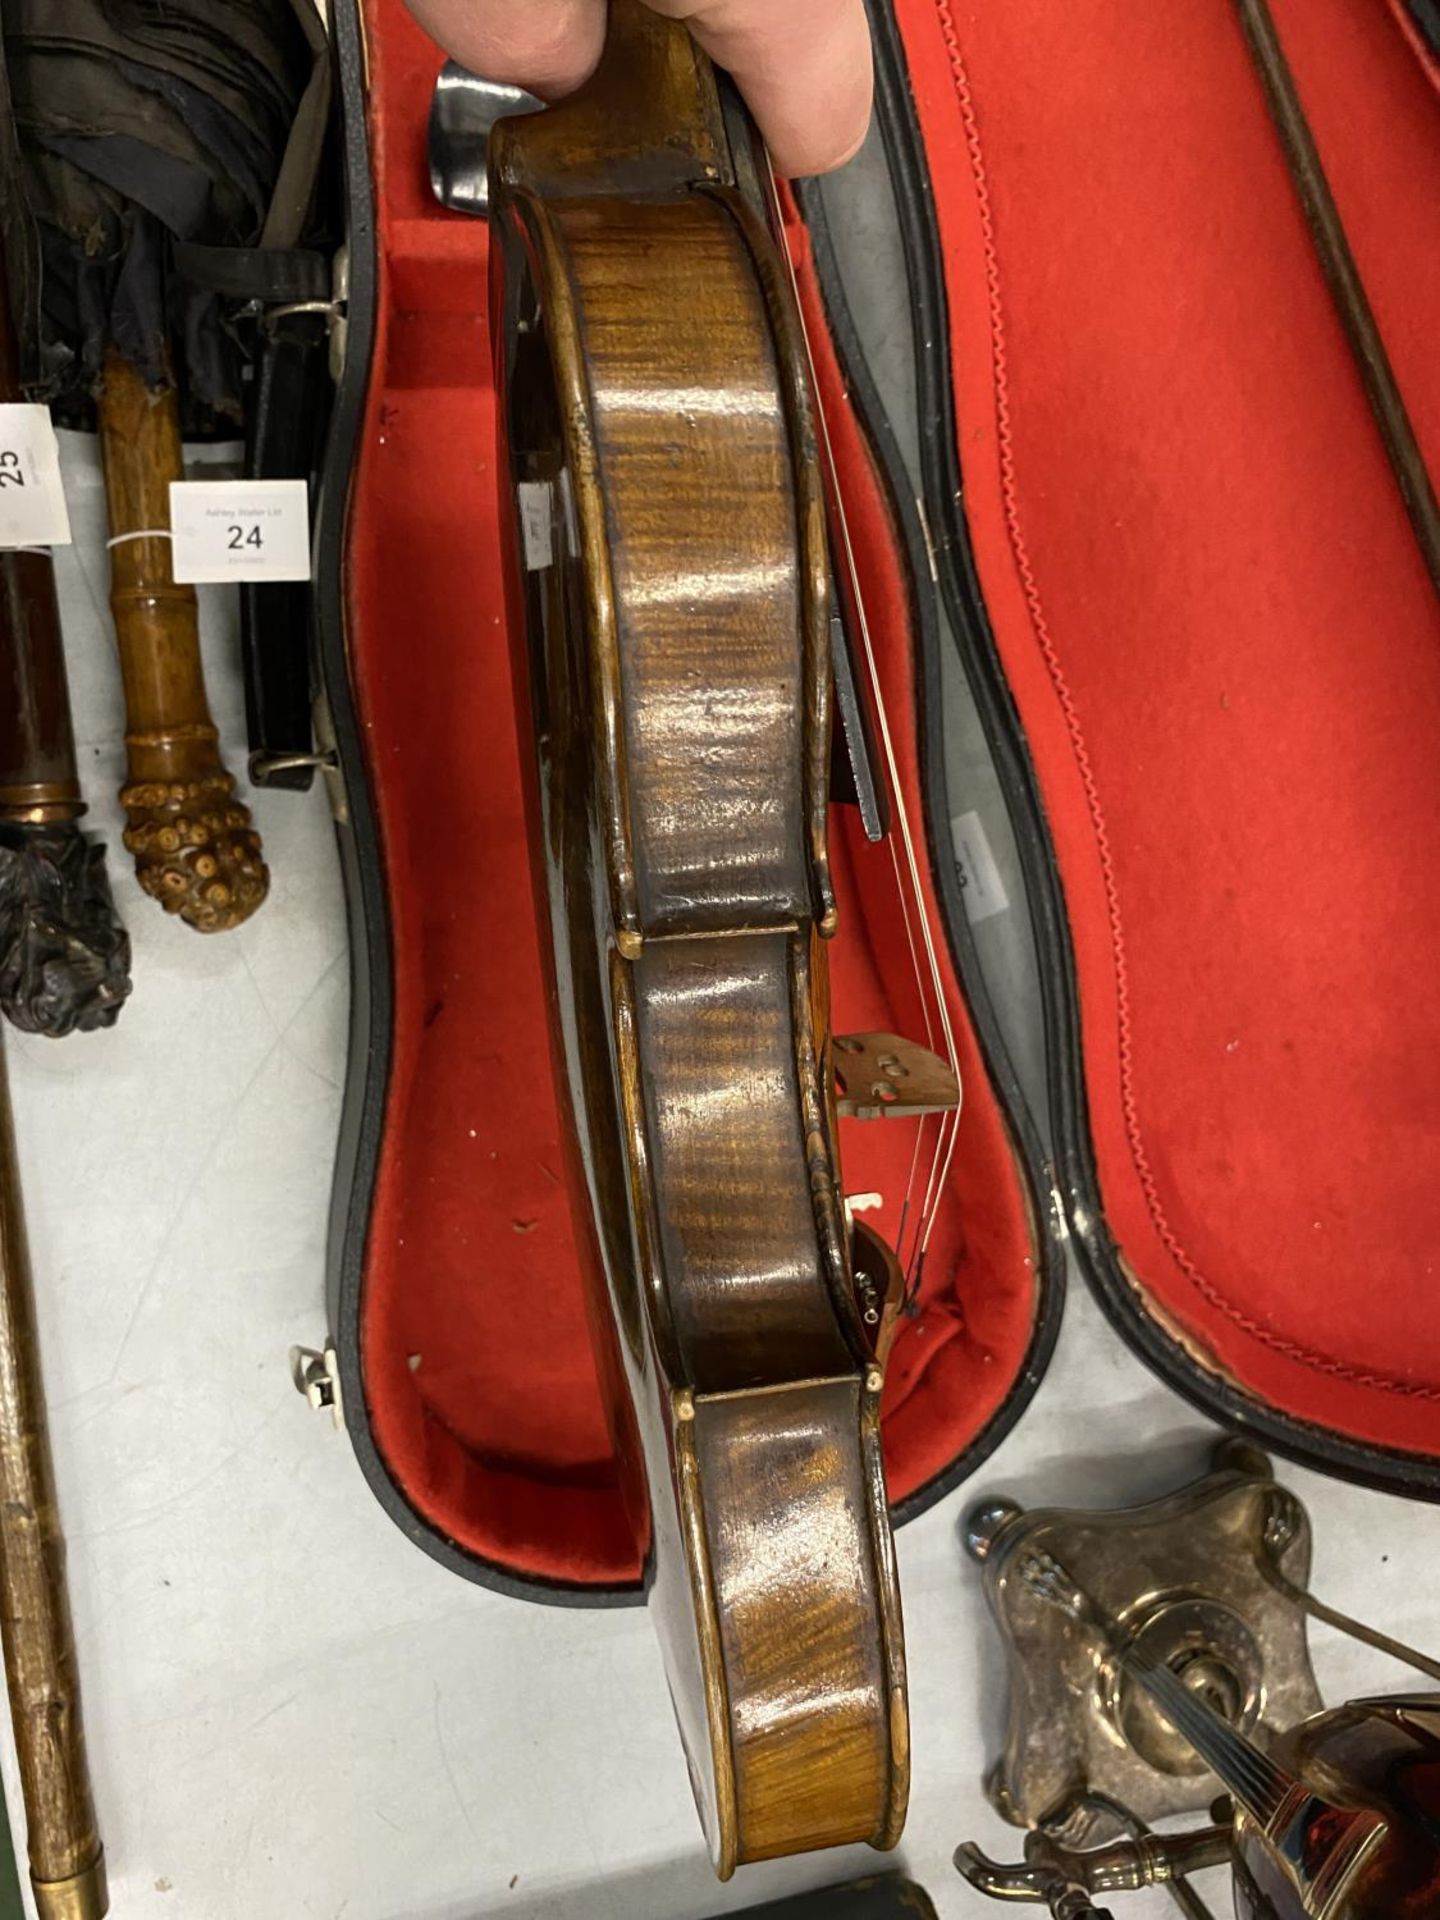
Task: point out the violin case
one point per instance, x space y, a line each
1138 507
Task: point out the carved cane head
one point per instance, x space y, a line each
64 957
195 850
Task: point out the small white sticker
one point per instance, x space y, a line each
535 499
239 530
980 882
32 495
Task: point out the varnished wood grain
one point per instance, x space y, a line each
748 1293
38 778
786 1513
195 849
66 1861
671 625
690 434
39 782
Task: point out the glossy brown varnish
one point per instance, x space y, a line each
39 782
672 645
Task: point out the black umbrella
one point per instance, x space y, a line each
170 153
154 136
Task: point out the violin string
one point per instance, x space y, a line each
910 942
904 1221
920 1129
950 1124
944 1144
949 1129
909 1194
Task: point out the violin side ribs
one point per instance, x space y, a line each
678 658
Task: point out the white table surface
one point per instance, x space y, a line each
291 1711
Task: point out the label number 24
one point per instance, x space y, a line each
240 537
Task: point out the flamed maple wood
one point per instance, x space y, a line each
669 584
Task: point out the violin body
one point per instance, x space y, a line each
1373 1757
670 600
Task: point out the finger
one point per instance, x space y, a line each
546 46
803 66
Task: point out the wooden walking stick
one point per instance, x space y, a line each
195 849
64 957
139 235
67 1861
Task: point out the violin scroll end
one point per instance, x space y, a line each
195 850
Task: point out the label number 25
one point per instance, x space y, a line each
10 470
240 537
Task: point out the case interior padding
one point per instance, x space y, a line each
1224 652
479 1381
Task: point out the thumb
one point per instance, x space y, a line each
803 66
546 46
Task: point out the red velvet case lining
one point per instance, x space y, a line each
1223 646
480 1385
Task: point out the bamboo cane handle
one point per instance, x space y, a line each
67 1862
195 849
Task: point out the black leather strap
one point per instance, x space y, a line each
286 428
271 275
289 412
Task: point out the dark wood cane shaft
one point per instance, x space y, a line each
195 849
38 779
64 958
67 1867
1347 289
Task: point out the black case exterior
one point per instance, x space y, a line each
371 1013
886 1897
1075 1175
942 578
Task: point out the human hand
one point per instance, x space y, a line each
802 65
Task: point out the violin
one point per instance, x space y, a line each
669 579
1334 1818
1368 1847
1339 1821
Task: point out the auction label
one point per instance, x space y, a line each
32 495
239 530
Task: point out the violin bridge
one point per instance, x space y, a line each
879 1076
